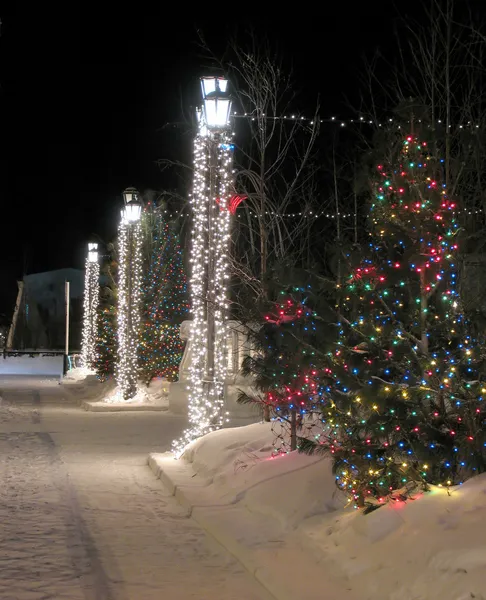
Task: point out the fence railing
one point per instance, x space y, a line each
31 362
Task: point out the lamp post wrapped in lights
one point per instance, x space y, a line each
90 307
129 293
213 157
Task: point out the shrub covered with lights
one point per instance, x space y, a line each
287 368
407 405
106 322
164 298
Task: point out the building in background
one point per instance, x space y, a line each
40 323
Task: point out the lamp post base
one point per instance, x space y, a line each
179 401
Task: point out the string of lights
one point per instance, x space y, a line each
90 311
409 395
164 301
401 398
222 235
129 297
209 247
399 123
311 214
106 342
198 421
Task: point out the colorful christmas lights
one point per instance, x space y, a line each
106 342
287 371
164 299
406 399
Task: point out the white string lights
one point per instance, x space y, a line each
198 419
90 308
311 214
213 159
221 241
129 297
390 122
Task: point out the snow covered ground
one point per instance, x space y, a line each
106 396
432 548
83 518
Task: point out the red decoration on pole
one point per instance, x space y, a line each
233 203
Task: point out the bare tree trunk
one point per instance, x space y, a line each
355 196
293 430
338 216
448 94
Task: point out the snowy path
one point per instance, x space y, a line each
82 516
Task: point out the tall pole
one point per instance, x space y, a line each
129 294
66 350
90 308
129 290
210 288
210 237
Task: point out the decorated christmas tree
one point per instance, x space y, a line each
106 340
164 298
287 368
106 337
405 408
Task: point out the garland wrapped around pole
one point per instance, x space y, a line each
129 297
213 174
90 308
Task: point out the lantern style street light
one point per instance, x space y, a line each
213 157
129 292
90 308
130 195
216 103
93 253
132 210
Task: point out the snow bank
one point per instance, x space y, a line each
431 548
86 386
31 365
155 393
77 374
240 467
94 395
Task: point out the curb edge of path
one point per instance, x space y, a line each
227 542
96 406
277 580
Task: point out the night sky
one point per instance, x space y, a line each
85 96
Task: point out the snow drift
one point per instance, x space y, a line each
430 548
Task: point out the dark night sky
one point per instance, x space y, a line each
84 94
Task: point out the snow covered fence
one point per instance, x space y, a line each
31 363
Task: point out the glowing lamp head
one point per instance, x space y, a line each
129 195
132 211
93 253
217 102
133 207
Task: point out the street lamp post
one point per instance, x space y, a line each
90 307
129 293
213 157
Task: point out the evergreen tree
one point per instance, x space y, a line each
287 368
406 405
164 298
106 338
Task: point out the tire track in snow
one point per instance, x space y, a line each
98 586
46 550
36 403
